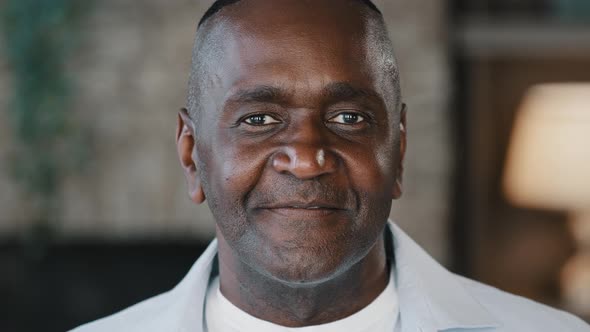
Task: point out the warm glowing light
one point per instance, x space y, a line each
548 163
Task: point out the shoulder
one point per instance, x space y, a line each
520 314
174 310
139 317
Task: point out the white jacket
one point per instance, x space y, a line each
431 299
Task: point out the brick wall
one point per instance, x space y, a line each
131 71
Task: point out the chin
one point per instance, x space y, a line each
305 269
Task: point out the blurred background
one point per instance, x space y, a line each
94 214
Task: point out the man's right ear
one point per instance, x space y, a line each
185 144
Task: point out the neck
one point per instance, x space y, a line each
296 306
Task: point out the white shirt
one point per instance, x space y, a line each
431 299
223 316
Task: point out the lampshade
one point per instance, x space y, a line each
548 163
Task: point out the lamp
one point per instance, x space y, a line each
548 166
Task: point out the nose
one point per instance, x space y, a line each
304 161
305 156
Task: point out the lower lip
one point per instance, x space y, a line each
303 213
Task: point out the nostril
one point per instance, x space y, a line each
281 162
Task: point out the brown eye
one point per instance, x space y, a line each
348 118
260 120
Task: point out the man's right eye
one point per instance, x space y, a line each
260 120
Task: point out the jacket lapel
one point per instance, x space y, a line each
432 298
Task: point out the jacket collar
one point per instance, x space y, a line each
190 293
431 298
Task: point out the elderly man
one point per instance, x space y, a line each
294 132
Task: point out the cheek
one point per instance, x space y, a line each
240 167
371 170
232 171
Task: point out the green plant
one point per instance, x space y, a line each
38 36
573 10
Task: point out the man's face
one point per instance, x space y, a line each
298 143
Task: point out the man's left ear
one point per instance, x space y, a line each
398 186
185 143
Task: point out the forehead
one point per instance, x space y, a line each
291 42
346 16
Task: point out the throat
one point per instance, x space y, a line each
302 305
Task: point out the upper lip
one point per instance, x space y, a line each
302 205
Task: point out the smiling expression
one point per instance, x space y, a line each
297 141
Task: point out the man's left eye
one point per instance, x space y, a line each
260 120
348 118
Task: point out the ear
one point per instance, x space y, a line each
185 143
398 186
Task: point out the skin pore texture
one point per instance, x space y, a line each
295 135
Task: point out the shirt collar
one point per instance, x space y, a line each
430 297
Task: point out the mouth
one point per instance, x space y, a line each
302 210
